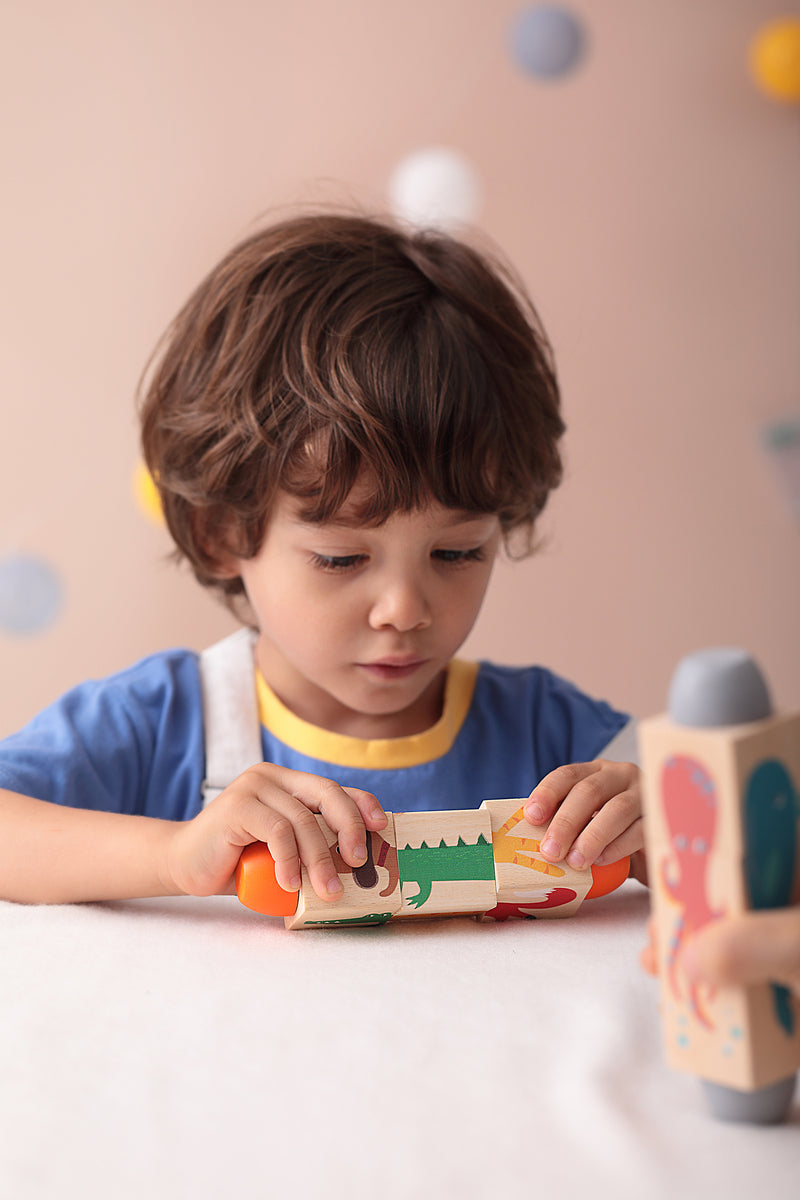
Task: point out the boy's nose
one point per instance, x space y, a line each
400 606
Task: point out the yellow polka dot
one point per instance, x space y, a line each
775 59
146 493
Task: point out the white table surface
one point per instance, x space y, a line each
190 1048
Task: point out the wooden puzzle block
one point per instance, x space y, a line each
371 892
432 863
445 862
528 885
721 825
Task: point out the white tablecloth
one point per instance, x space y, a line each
192 1049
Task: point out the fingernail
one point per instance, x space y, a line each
335 886
294 883
576 859
535 814
551 847
360 852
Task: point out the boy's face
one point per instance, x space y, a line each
357 624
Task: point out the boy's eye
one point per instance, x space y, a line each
455 557
336 562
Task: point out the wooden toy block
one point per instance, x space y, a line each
721 825
445 862
371 893
528 885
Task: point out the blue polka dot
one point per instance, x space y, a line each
31 595
547 41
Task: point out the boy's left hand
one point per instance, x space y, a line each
593 813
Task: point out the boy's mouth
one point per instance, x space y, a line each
393 668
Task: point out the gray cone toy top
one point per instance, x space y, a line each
719 686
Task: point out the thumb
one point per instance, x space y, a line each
758 947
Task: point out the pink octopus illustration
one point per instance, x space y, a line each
690 809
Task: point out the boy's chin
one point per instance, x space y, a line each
412 708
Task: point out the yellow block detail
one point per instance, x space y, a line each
519 851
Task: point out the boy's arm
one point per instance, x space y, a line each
51 854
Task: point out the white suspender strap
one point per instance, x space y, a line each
230 711
623 746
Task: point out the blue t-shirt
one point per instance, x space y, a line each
133 743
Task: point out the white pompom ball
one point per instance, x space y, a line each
435 188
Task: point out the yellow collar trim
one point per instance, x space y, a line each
381 753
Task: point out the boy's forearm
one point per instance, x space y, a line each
50 854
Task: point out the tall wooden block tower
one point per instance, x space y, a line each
722 788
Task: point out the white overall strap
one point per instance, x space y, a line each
230 711
623 747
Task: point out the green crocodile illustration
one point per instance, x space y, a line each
425 864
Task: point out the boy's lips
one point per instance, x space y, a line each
393 667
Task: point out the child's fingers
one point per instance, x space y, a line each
279 834
371 811
292 834
602 842
639 869
288 800
550 792
755 948
349 812
315 854
585 822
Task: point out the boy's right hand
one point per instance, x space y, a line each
759 947
274 805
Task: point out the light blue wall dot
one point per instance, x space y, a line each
547 41
31 595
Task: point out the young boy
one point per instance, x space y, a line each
345 422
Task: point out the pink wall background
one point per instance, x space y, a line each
649 200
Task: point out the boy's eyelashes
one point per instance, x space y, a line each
337 562
454 557
349 562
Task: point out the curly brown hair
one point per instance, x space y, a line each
333 347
